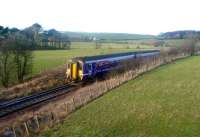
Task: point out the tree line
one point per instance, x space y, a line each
185 34
41 39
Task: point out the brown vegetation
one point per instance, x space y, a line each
40 82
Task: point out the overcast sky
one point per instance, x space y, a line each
130 16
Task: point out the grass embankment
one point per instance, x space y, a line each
47 59
162 103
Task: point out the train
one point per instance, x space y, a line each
90 67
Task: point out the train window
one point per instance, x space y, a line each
68 66
80 66
89 67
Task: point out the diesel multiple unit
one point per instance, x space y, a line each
83 68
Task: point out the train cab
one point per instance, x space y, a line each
74 70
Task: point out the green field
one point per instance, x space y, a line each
162 103
47 59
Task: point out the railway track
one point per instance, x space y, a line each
17 104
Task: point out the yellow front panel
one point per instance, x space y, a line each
81 74
74 71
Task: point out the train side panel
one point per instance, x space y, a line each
100 67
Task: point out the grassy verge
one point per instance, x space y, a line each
162 103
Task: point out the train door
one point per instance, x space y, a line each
74 71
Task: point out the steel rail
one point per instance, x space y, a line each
17 104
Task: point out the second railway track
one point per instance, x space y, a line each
17 104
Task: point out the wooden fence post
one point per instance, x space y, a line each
37 122
26 128
13 129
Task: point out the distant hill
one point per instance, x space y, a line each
79 36
180 34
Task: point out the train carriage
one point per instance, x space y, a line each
82 68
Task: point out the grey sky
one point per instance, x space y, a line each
131 16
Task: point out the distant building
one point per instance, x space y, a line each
94 38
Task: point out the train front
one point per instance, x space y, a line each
74 70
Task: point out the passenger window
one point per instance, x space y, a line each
89 67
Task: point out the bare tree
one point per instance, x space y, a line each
22 58
189 47
6 62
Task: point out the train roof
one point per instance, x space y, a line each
98 57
